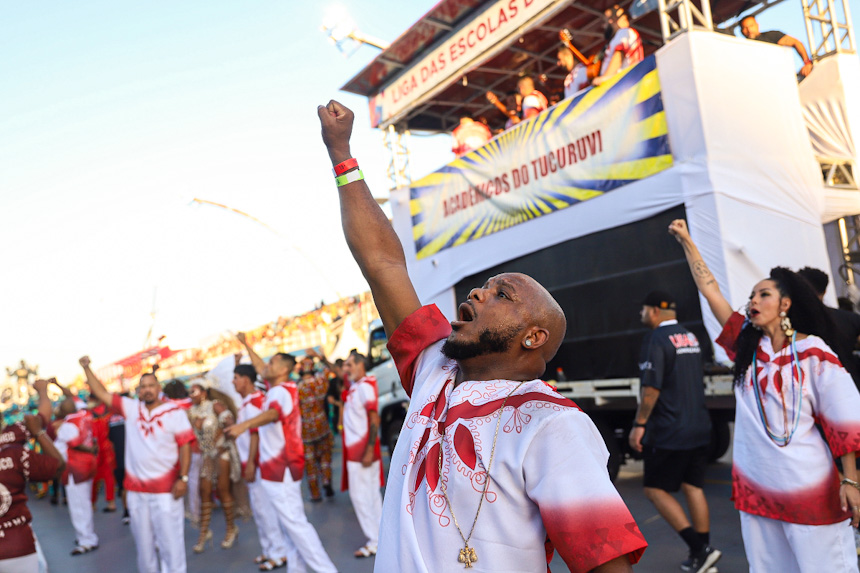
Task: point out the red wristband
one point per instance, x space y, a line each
342 168
805 62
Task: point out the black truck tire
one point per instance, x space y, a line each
616 453
392 432
721 438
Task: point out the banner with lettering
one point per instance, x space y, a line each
489 29
583 147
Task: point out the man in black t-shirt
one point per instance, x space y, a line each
847 322
750 30
672 427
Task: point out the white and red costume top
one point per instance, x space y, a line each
549 488
18 465
629 43
152 442
576 80
77 431
470 136
182 403
252 406
358 400
534 101
281 445
797 483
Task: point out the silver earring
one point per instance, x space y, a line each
785 324
528 342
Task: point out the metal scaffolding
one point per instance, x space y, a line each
828 27
679 16
397 146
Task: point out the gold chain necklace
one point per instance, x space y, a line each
467 554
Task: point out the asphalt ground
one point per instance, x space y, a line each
338 528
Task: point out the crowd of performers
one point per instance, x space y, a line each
494 469
194 442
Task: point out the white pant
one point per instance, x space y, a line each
40 555
192 498
366 499
286 499
272 538
774 546
157 520
26 564
81 511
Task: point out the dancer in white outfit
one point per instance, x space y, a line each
361 452
76 442
789 380
282 456
157 457
277 548
474 386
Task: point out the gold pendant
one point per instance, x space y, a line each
467 556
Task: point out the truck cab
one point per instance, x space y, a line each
393 400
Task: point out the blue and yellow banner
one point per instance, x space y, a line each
583 147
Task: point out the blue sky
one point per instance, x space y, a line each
114 115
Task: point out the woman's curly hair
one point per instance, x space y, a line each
807 313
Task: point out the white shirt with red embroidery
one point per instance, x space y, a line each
797 483
252 406
152 441
281 445
629 43
361 398
549 484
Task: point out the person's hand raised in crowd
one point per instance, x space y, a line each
311 353
238 358
33 424
240 336
41 385
336 121
678 229
806 69
84 361
492 98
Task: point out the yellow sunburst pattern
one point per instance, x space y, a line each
583 147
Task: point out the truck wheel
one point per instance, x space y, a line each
392 433
616 454
721 438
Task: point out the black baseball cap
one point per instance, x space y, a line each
660 299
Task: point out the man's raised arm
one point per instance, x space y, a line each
97 389
258 363
369 234
45 408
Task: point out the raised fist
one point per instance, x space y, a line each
336 121
33 424
241 338
678 229
41 385
84 361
